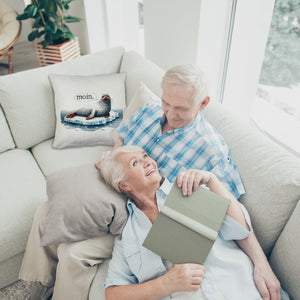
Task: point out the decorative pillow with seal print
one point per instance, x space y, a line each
87 108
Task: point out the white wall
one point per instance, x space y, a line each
188 31
171 31
212 42
95 32
250 33
123 23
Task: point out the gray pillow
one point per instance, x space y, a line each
81 206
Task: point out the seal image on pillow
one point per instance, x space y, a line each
99 108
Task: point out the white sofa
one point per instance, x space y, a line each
27 124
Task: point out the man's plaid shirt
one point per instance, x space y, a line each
195 146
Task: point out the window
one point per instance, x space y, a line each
276 108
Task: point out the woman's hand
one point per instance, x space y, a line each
189 180
183 277
102 157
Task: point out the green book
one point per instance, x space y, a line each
187 226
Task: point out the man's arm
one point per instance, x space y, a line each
264 277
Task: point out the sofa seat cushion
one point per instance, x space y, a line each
22 188
34 120
6 141
270 174
51 160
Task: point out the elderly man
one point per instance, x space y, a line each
141 274
176 135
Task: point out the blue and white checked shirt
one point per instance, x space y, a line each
195 146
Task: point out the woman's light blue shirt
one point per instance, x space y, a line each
229 271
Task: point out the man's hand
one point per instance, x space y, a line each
102 157
189 180
266 282
183 277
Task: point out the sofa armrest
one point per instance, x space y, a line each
285 255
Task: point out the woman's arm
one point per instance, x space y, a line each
184 277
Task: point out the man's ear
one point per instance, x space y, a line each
204 103
124 187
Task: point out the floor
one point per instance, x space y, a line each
23 58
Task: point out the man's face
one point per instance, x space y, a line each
179 105
140 170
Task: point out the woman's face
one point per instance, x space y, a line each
140 170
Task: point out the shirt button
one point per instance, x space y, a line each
157 140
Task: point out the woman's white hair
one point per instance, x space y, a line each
188 74
112 170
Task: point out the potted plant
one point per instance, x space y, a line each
49 25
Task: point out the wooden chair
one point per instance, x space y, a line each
10 30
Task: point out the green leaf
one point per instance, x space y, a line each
27 8
48 37
37 23
56 17
33 35
50 6
51 27
64 28
45 16
45 44
70 35
60 5
32 11
71 19
42 4
23 16
57 37
41 33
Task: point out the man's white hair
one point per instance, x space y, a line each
112 170
188 74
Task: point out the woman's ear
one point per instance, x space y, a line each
124 187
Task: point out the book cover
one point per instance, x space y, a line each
187 226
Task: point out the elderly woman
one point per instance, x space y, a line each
137 273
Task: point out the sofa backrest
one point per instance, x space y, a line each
270 174
138 69
27 97
6 140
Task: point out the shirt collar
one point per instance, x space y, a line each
186 128
161 195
